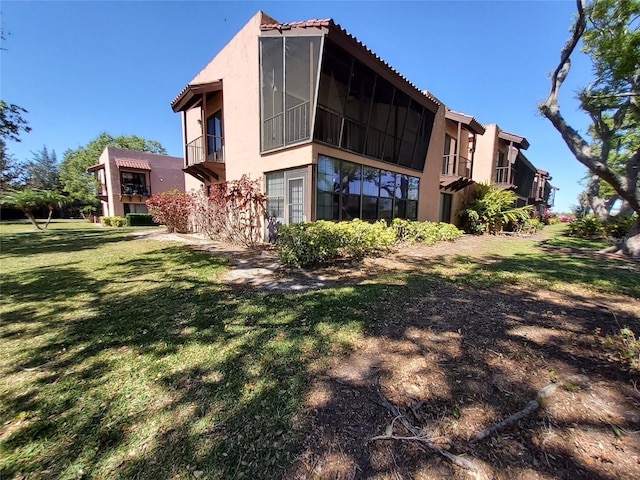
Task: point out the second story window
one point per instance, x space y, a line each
133 183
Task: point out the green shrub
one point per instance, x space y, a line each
620 226
586 227
118 221
139 220
322 242
106 221
490 209
427 232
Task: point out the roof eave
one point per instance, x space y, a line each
190 94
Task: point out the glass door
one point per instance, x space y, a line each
295 190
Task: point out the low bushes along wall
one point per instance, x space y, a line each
322 242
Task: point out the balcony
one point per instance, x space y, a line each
198 152
452 166
456 172
505 177
135 189
537 193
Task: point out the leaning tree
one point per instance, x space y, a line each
610 35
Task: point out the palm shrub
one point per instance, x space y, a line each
490 209
30 200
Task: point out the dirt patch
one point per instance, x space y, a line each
454 368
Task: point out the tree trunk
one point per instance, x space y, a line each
629 245
31 217
49 217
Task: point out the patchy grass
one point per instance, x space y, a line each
128 358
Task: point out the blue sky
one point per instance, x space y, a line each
80 68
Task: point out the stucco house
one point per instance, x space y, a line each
127 178
333 131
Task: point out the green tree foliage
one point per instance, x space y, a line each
29 200
74 178
12 125
42 171
610 35
491 208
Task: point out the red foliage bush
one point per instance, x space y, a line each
232 212
171 209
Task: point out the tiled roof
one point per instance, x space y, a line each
329 23
325 22
133 164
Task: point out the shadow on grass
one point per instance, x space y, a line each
160 371
23 244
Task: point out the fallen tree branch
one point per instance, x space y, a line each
461 462
531 407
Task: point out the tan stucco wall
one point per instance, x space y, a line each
237 65
485 155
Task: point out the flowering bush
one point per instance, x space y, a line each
171 209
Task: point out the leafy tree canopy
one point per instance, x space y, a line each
42 170
12 125
74 178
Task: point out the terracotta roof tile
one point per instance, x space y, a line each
133 164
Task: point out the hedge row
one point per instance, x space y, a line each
322 242
140 220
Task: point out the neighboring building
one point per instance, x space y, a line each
334 131
127 178
500 160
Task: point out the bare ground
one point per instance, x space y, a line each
455 360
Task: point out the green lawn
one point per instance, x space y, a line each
128 358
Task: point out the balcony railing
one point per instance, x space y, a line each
101 190
199 152
297 123
505 175
135 189
537 192
453 165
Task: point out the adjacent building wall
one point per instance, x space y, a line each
165 174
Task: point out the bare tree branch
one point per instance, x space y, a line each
576 143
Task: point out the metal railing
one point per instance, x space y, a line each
505 175
453 166
297 123
273 132
537 191
135 189
199 152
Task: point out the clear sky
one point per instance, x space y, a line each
84 67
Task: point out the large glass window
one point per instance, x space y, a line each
346 190
362 112
288 73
